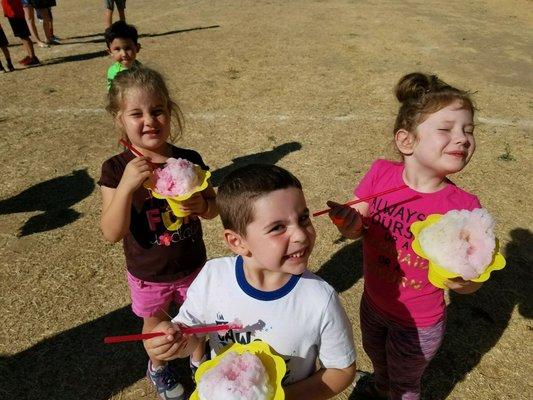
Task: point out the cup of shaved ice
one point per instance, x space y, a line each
177 181
460 243
241 372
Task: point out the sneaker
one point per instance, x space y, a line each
365 387
165 380
25 60
30 61
55 40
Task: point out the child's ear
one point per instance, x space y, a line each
138 47
108 51
236 242
405 141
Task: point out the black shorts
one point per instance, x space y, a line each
3 39
43 3
19 27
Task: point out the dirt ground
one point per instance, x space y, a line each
305 84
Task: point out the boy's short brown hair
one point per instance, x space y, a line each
241 188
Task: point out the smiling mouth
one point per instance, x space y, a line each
297 255
459 154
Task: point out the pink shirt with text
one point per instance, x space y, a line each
396 279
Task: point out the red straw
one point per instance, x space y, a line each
187 330
135 151
191 330
131 338
350 203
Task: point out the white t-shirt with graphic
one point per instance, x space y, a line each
301 321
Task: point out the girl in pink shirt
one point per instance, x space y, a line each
402 314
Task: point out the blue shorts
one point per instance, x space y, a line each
110 4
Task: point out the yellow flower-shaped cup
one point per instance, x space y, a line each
175 201
274 365
437 275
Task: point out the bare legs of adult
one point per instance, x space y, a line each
47 23
29 15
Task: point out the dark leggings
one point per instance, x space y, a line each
399 354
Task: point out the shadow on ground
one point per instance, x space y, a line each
264 157
44 371
344 268
476 322
54 197
99 37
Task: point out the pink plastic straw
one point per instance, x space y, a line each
350 203
197 330
131 338
191 330
135 151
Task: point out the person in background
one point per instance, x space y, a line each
109 7
3 45
14 13
122 46
29 14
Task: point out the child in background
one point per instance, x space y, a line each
122 46
268 288
14 13
3 45
159 271
402 314
109 6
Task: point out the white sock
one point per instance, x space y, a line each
157 369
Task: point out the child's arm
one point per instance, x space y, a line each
116 203
459 285
348 220
323 384
202 204
171 346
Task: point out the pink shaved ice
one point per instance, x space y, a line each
177 178
461 242
236 377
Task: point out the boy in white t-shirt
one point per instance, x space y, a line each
267 287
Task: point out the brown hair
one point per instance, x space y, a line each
146 79
421 95
241 188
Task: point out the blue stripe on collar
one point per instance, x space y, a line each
259 294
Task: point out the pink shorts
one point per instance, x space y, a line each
148 298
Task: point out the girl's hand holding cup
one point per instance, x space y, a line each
462 286
195 205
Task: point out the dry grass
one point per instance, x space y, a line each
306 84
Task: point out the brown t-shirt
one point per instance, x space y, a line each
153 253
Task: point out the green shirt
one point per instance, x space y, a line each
115 69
